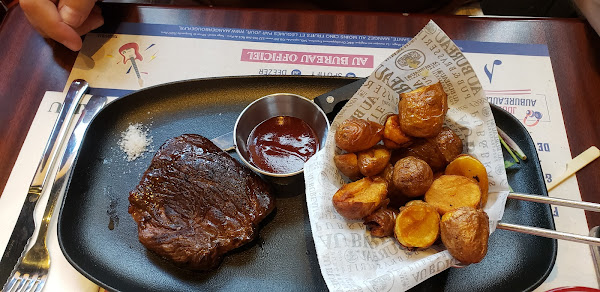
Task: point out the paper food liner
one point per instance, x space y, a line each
352 260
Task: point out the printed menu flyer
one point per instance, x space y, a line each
517 77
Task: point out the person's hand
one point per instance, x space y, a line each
63 20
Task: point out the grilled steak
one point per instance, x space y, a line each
195 203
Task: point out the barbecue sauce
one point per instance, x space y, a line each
282 144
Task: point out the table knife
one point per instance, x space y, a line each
332 101
25 225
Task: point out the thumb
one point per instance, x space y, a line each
75 12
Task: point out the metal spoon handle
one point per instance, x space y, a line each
550 233
225 142
556 201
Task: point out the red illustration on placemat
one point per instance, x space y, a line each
131 52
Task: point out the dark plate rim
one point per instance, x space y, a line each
544 193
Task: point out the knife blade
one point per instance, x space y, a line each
25 225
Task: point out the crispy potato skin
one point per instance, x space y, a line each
395 196
417 225
387 174
469 166
393 137
426 150
423 110
372 161
358 199
355 135
348 165
437 151
449 144
412 176
381 222
465 232
389 144
449 192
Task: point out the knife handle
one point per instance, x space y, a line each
331 102
65 169
57 136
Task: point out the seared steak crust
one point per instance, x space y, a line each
195 203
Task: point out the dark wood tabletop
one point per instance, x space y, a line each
31 65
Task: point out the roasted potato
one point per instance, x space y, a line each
437 151
449 144
449 192
393 137
426 150
355 135
347 164
395 196
381 222
389 144
423 110
465 232
412 176
358 199
469 166
372 161
387 174
417 225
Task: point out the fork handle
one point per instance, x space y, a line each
63 175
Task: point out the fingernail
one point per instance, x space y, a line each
70 16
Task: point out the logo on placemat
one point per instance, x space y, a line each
410 60
532 118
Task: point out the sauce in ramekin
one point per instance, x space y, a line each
282 144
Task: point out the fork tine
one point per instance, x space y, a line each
30 282
41 283
11 283
23 286
15 282
21 281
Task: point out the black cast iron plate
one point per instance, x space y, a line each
283 257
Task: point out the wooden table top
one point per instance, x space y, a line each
31 65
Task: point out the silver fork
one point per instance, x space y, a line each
32 272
